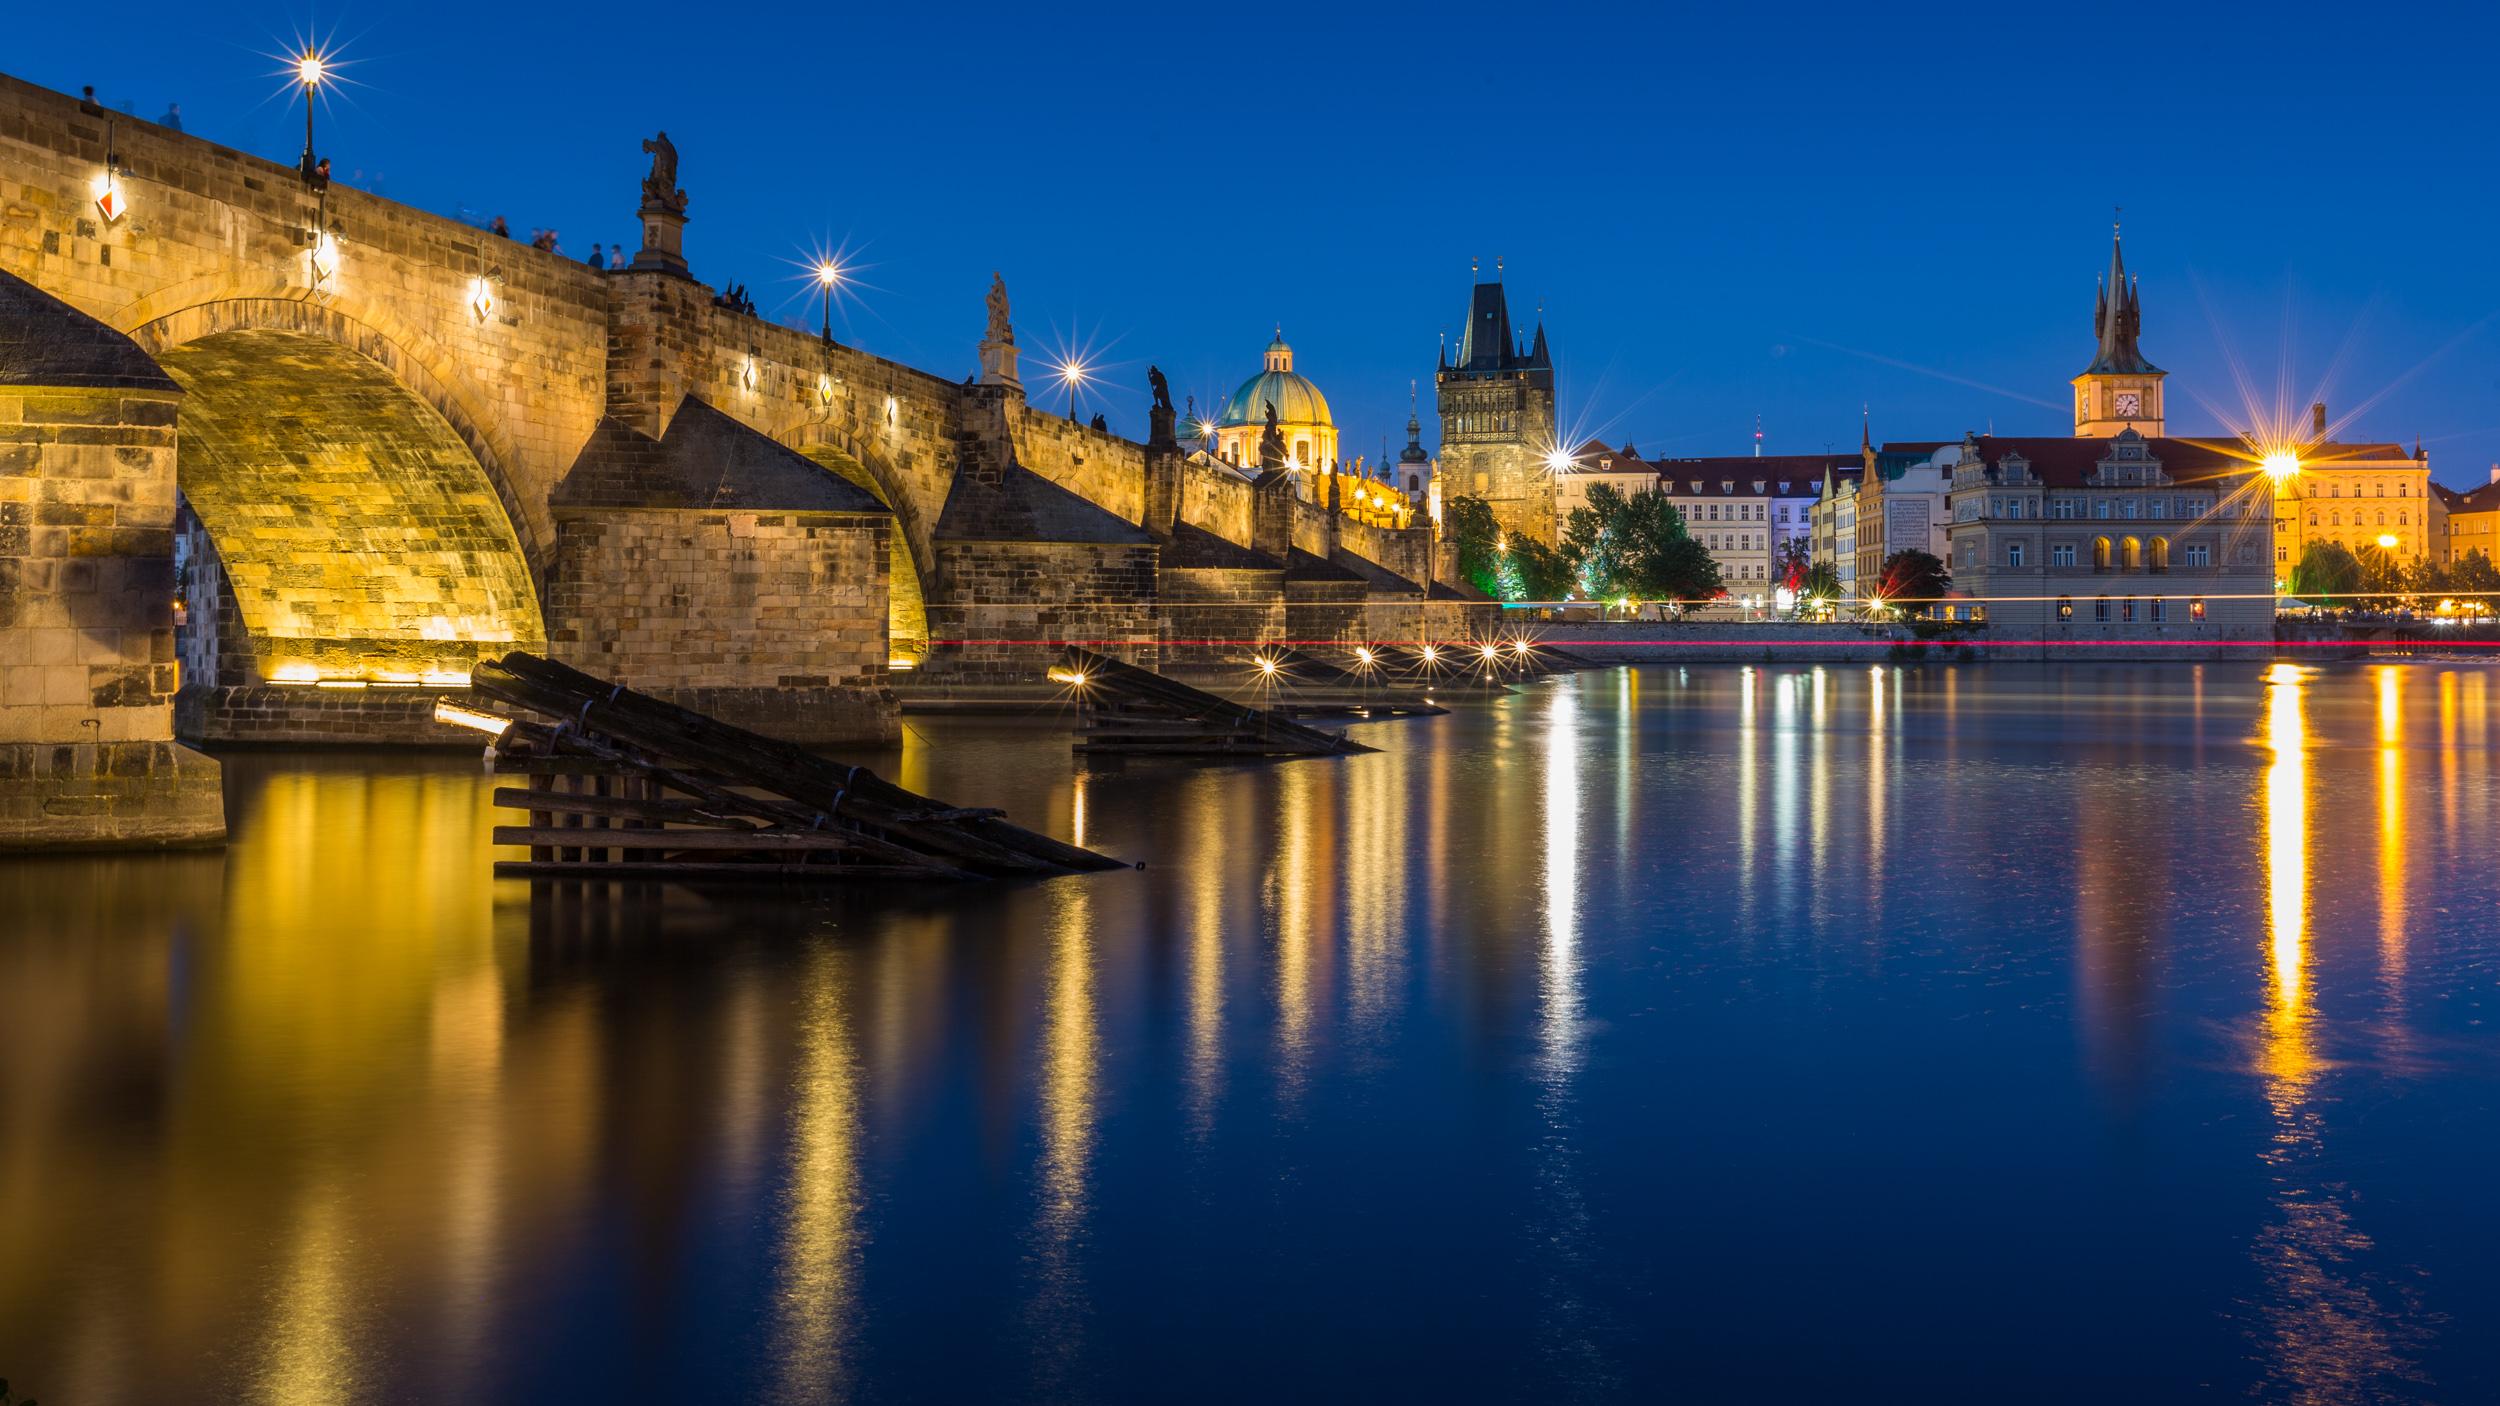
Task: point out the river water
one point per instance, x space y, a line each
1844 1033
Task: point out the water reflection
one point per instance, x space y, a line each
1427 1057
1070 1058
819 1253
2328 1337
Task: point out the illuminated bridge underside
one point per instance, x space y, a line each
358 535
907 616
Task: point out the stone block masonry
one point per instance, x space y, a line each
719 611
1005 604
87 668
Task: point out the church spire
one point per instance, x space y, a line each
2118 315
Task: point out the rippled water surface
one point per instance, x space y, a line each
1974 1033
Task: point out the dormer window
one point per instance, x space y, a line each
1727 485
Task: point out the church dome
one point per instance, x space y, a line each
1297 400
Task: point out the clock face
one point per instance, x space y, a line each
2130 404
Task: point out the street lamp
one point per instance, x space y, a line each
310 69
828 274
1073 374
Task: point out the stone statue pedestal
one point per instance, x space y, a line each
998 364
1159 421
663 241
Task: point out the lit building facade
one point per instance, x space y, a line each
1622 470
1301 414
2360 496
2118 538
2471 521
1496 404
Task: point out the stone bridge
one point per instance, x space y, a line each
278 464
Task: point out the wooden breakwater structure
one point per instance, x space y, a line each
1125 710
620 785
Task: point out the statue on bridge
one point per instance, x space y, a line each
1001 333
1161 387
998 349
1159 418
1272 441
659 189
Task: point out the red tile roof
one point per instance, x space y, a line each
2066 461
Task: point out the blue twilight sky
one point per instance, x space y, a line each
1782 210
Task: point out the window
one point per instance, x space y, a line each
2100 554
2382 490
2282 554
2063 554
2065 607
2131 554
2161 610
2313 517
2013 554
2126 610
2161 554
2100 507
2196 608
2100 609
2198 554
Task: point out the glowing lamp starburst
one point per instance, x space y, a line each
310 69
2387 540
2281 464
1557 462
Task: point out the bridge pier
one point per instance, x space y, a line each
87 671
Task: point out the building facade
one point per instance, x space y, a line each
2360 496
2471 521
1497 418
1301 414
2119 538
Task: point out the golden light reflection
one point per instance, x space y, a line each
820 1241
309 1357
2287 869
1748 793
2391 822
1206 952
1559 997
2326 1333
1071 1059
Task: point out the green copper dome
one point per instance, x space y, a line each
1297 401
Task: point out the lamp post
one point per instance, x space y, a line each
1074 374
828 274
310 70
2282 469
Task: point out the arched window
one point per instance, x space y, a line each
2382 517
2131 554
2400 490
2400 517
2382 490
2100 556
2313 517
2334 519
2161 554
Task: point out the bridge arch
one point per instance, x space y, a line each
912 563
178 316
336 524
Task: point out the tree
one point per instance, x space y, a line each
1790 565
2327 574
2425 578
1469 522
1636 547
1531 570
1818 588
1913 578
2381 573
2473 574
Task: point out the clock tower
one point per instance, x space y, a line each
2120 390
